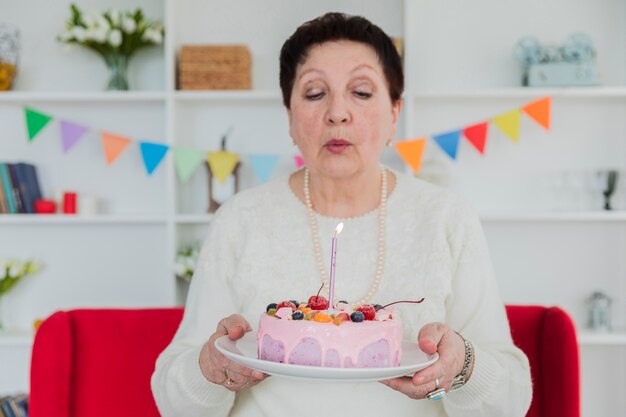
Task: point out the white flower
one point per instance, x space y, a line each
115 38
151 35
115 17
99 35
79 33
89 20
128 25
179 269
103 23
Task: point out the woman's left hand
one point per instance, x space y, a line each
434 337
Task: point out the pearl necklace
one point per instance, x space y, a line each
380 260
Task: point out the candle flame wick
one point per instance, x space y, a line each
338 229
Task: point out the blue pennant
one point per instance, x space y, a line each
449 142
263 165
152 154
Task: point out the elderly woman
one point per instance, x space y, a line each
341 80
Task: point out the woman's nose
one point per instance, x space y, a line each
338 111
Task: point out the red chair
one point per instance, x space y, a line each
98 363
548 337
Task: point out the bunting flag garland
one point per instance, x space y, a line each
539 111
222 164
71 133
186 161
152 154
113 146
411 152
35 121
299 160
449 142
509 124
263 165
477 135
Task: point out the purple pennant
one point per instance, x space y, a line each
71 133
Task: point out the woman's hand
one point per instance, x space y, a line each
220 370
434 337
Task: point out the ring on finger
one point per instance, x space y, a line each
229 381
436 394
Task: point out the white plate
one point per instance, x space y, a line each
244 351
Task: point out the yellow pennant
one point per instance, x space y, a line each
509 124
222 164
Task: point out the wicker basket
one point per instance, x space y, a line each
214 67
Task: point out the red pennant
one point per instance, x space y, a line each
477 135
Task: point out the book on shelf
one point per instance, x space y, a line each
14 406
20 186
7 187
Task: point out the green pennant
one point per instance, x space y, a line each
35 121
187 161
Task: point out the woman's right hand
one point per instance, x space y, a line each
220 370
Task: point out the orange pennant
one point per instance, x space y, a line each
113 146
477 135
539 111
412 151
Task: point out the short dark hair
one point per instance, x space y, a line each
334 27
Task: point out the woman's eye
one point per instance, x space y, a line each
314 96
363 94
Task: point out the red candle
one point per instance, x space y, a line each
69 203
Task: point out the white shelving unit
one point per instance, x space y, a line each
457 73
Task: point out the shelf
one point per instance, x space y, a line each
16 338
193 218
554 216
587 338
526 92
83 97
77 219
273 96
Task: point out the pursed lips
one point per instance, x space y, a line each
337 145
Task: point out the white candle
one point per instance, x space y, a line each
333 258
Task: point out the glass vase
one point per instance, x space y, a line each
118 72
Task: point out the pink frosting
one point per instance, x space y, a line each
307 342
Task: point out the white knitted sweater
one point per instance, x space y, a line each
259 250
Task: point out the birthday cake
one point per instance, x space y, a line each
363 336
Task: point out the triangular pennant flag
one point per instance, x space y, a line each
477 135
263 165
35 121
222 164
509 123
539 111
449 142
411 151
152 154
113 146
71 134
299 161
187 160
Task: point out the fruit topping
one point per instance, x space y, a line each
286 304
368 311
322 318
271 312
357 317
270 306
317 302
298 315
310 315
340 318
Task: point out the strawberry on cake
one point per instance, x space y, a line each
366 336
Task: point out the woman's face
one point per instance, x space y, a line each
341 114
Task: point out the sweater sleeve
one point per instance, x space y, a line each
500 383
178 385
